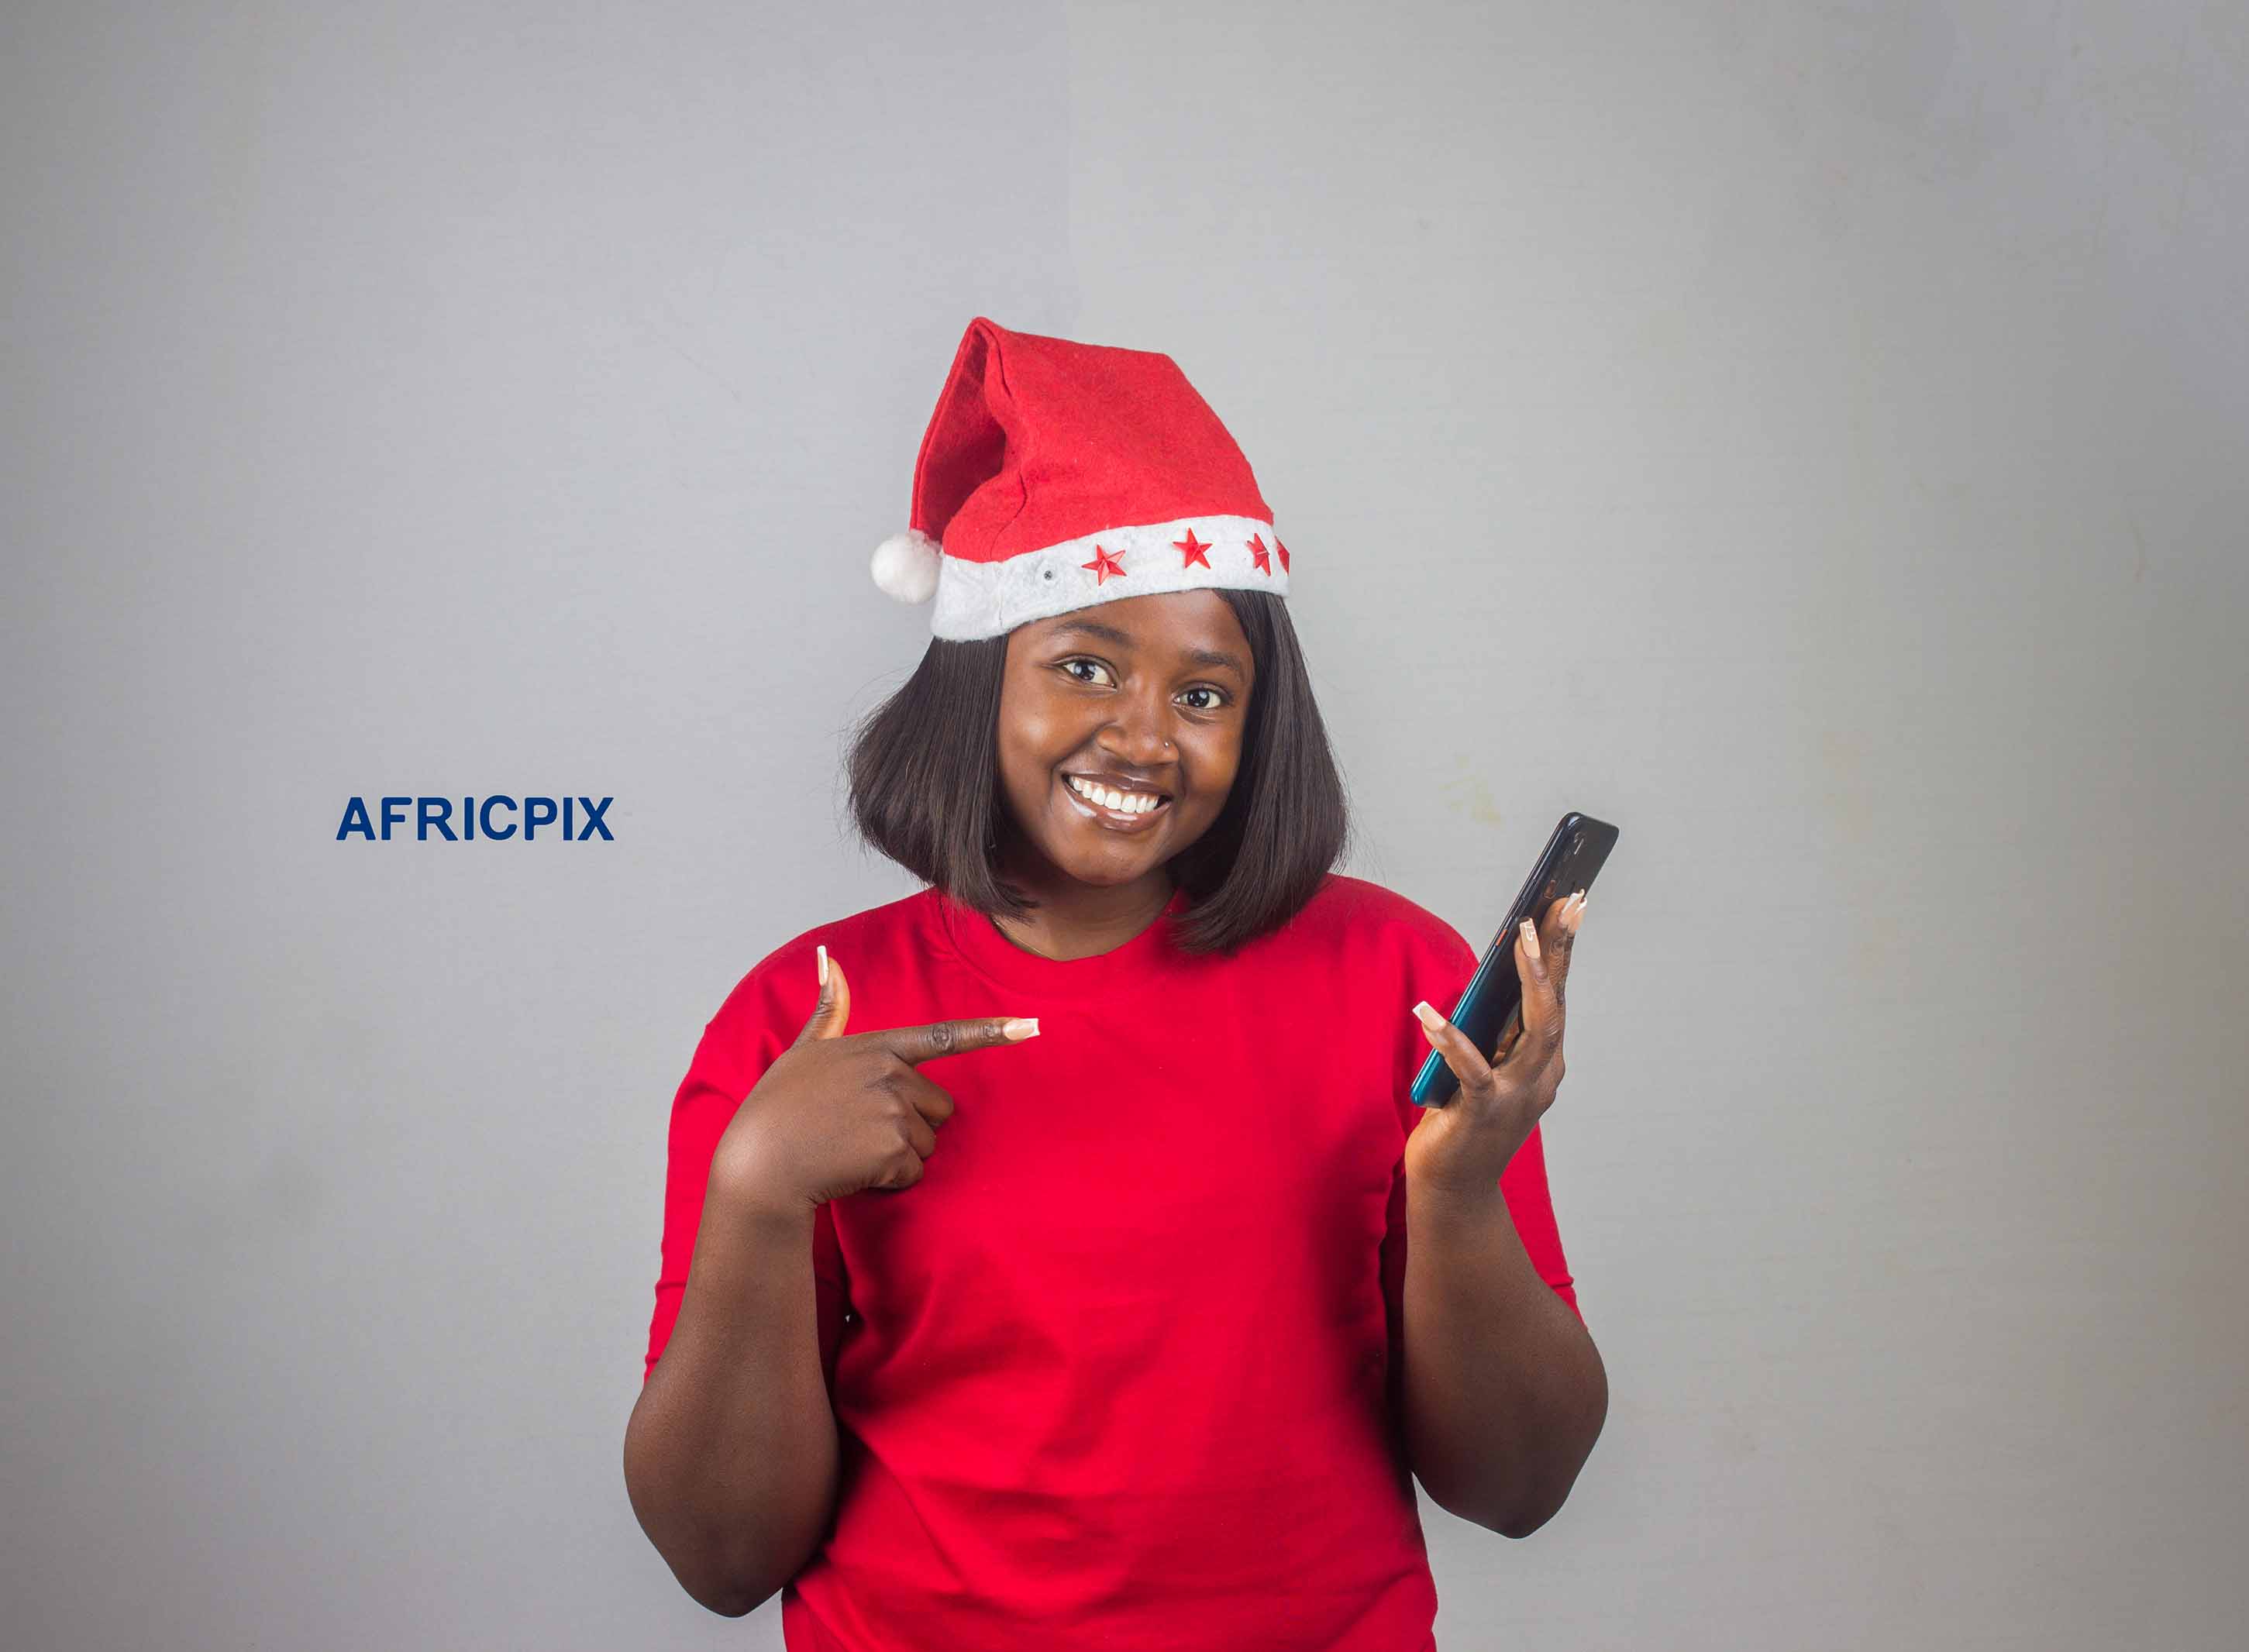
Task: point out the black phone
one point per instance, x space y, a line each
1492 1003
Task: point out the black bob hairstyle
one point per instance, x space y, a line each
926 789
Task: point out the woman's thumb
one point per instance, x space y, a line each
834 1007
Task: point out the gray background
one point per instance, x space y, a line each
1813 438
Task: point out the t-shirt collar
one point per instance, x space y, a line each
980 945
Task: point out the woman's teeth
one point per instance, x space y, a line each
1123 803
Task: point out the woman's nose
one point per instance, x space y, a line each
1140 740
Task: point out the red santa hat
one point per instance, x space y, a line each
1055 475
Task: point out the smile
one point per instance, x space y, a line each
1126 819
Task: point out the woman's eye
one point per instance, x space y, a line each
1213 704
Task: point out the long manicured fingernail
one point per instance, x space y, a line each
1021 1027
1530 937
823 964
1430 1018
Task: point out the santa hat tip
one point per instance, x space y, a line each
905 566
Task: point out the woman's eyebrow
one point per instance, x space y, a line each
1110 634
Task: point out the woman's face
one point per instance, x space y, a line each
1142 694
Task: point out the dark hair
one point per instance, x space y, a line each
926 789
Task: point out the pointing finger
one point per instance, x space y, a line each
916 1044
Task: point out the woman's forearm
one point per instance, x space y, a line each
1504 1392
731 1454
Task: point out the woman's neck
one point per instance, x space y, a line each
1076 919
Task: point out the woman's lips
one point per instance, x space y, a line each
1106 816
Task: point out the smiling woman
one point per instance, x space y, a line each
1156 1291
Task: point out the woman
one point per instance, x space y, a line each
1139 1358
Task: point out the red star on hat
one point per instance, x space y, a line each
1259 555
1284 552
1102 565
1191 551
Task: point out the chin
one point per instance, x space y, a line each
1105 873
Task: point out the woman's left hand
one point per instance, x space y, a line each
1460 1149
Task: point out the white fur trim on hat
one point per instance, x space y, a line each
905 566
990 599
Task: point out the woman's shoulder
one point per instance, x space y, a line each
1363 912
886 923
1363 939
797 961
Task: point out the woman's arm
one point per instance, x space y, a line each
731 1454
1504 1392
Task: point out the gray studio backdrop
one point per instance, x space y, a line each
1811 437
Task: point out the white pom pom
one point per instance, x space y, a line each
905 566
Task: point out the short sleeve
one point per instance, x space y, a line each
1522 1184
745 1038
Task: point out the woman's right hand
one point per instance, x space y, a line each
838 1112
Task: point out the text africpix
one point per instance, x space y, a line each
492 817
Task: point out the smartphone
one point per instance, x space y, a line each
1492 1005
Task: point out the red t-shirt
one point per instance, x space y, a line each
1120 1369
